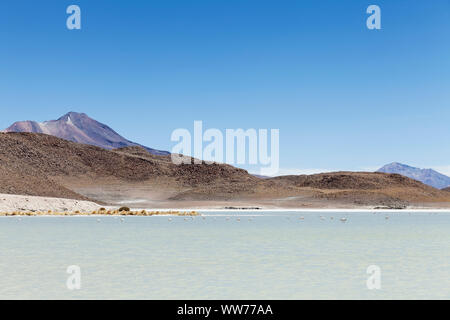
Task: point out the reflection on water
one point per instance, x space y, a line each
245 255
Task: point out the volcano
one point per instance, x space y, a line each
80 128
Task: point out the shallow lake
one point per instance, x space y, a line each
228 255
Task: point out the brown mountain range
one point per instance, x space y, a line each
44 165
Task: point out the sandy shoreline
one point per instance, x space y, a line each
309 210
11 203
17 205
58 206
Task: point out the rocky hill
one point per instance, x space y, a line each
44 165
40 164
367 187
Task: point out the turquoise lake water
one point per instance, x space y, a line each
264 255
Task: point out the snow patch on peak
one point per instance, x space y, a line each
69 121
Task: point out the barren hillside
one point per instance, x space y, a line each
31 163
43 165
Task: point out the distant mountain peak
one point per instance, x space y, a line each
398 164
79 127
427 176
72 114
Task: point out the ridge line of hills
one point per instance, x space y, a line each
79 127
45 165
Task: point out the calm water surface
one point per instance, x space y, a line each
265 255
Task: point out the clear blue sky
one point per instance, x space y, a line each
343 96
